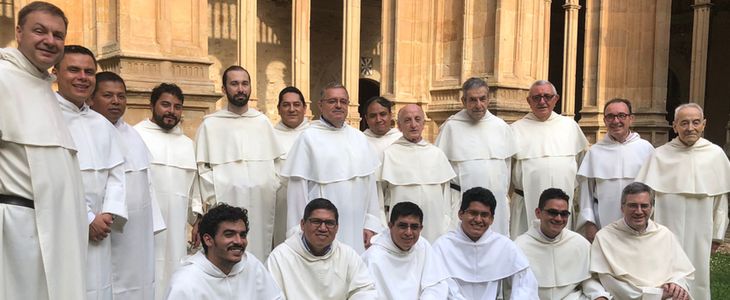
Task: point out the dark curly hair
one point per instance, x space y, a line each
219 214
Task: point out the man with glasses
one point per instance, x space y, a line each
481 263
560 258
636 258
235 150
610 165
313 265
333 160
402 263
549 149
692 178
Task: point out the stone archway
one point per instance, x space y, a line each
368 88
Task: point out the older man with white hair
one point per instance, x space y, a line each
691 177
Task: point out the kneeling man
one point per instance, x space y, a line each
224 269
560 258
313 265
635 257
483 264
402 263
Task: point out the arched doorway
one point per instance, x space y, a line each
368 88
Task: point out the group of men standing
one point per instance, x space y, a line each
93 208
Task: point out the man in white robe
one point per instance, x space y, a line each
402 263
292 109
235 150
311 264
559 258
223 269
133 254
173 174
333 160
636 258
43 224
481 263
691 177
416 171
101 161
479 146
549 150
379 117
608 166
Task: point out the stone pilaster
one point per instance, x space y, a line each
247 39
351 57
301 18
570 53
700 32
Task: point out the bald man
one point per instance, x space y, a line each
415 170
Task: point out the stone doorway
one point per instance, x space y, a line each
368 88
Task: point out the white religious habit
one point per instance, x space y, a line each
235 155
487 268
692 185
561 264
420 173
481 155
286 137
101 160
548 155
39 162
133 253
337 275
412 274
607 168
173 175
337 164
379 143
199 279
632 264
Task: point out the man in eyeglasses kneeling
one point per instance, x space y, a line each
559 258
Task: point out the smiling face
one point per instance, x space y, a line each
542 100
110 100
618 119
319 229
637 210
410 121
476 102
689 125
167 111
75 77
476 219
41 38
333 106
405 231
291 109
553 217
228 245
378 118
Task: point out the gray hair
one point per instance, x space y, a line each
688 105
544 82
635 188
333 85
473 83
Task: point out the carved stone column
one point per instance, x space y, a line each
247 39
351 56
570 53
301 18
700 32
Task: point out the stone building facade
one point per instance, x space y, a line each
657 53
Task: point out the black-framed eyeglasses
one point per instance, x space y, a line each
621 116
538 98
554 213
475 213
333 101
318 222
406 226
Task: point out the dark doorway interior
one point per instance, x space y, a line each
368 89
557 40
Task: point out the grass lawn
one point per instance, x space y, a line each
720 275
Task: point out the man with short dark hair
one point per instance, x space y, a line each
610 165
292 109
224 269
559 258
42 212
636 258
479 146
549 150
333 160
173 173
402 263
235 150
101 161
481 263
691 176
311 264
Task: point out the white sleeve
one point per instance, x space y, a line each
439 291
587 188
297 197
524 285
115 197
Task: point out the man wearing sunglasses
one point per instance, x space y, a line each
560 258
549 149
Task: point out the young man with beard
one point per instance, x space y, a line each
223 269
174 179
235 150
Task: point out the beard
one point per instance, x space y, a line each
240 99
160 121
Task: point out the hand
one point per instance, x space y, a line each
367 234
195 238
715 246
674 291
100 227
590 231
